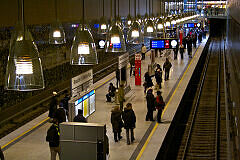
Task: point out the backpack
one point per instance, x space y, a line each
159 104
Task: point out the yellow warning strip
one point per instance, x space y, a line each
156 125
43 121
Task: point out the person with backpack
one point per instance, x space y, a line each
150 105
159 104
129 119
53 137
166 67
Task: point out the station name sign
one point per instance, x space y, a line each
165 43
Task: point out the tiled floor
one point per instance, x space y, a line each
35 147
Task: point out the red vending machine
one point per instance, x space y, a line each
138 69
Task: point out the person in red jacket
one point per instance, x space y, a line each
159 104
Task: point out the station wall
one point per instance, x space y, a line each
43 12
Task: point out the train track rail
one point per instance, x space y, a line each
204 137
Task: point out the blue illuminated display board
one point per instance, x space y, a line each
163 43
157 44
190 25
96 26
117 45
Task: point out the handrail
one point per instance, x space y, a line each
196 105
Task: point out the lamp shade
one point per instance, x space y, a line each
168 22
57 34
115 40
83 51
103 27
149 29
160 25
134 35
24 69
128 21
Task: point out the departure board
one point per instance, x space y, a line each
163 43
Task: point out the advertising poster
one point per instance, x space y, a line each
92 102
85 106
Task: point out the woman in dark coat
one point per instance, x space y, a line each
150 105
129 119
117 123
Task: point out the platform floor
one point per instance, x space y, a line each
34 146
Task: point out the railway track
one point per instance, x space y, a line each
205 134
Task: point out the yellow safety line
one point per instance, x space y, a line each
155 127
18 137
25 133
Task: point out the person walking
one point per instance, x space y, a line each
53 106
117 123
158 76
166 67
53 136
181 50
111 92
1 154
129 119
159 104
150 105
194 40
143 51
175 50
121 96
79 117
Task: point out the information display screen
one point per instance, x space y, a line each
192 25
86 103
163 43
117 45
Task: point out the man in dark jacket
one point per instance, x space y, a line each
111 92
79 117
129 119
189 45
117 77
158 75
53 106
166 66
60 114
150 105
1 154
117 123
65 102
53 136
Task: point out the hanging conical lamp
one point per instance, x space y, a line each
24 69
83 51
160 25
129 17
56 34
115 41
134 35
103 27
149 28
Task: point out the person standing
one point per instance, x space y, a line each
189 46
117 123
121 96
111 92
158 75
143 51
65 100
175 50
53 106
129 119
194 39
79 117
1 154
117 77
150 105
166 67
60 114
159 104
53 136
181 50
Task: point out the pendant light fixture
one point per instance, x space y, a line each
134 35
115 39
103 27
24 69
129 18
149 28
83 51
118 18
56 34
